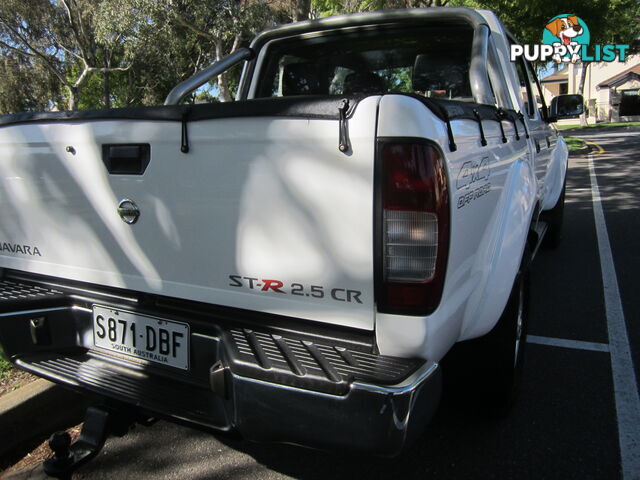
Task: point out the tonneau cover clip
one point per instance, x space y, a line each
343 145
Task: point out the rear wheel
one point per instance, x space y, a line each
487 372
504 350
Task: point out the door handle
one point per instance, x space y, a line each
126 159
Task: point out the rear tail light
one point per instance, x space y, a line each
414 227
410 245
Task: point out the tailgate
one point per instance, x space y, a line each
263 213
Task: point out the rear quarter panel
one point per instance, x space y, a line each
492 192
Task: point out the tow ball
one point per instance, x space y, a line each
99 424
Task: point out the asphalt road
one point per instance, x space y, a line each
568 423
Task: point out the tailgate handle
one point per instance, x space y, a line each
126 158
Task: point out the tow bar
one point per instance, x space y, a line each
99 424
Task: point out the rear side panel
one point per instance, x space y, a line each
490 210
262 213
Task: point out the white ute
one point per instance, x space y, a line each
295 265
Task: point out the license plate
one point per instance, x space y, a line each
147 338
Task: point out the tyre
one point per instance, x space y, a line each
555 220
504 348
486 373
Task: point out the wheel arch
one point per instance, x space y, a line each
516 214
556 174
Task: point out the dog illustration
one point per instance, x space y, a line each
566 29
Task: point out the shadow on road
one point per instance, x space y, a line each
548 435
564 425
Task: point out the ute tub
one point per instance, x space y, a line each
267 383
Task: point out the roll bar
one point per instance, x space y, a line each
177 93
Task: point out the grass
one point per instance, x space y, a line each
11 378
599 125
574 143
5 367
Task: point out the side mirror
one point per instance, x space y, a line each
566 106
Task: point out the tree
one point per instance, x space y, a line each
301 10
335 7
25 86
217 28
71 39
93 53
609 21
166 53
619 25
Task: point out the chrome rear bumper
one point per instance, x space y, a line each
268 384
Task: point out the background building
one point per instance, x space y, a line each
611 89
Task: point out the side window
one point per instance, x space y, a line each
497 80
539 95
525 88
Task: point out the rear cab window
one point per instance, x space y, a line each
431 61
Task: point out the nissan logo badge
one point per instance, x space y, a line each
128 211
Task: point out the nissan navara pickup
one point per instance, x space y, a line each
295 265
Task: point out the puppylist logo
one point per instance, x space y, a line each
566 38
